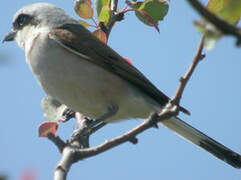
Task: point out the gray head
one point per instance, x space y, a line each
38 15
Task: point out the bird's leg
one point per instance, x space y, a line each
67 115
111 111
86 126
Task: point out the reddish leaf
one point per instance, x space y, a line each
83 9
48 127
100 35
28 175
129 61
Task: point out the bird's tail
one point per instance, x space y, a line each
203 141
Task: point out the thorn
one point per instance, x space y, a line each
181 79
202 56
133 140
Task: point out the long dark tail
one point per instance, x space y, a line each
203 141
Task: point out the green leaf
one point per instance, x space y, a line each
149 19
211 34
83 9
105 15
85 24
156 9
228 10
99 4
215 5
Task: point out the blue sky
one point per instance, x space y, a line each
213 97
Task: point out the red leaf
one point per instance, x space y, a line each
48 127
100 35
28 175
83 9
129 61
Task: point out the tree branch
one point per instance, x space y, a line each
115 16
72 153
80 137
64 164
183 80
57 141
223 26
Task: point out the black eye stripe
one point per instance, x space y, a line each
22 20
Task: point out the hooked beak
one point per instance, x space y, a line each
10 36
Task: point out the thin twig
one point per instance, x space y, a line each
57 141
223 26
72 154
127 137
183 80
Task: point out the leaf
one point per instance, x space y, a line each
228 10
53 110
149 19
28 175
48 127
100 35
105 15
83 9
85 24
215 5
211 34
155 9
128 60
99 4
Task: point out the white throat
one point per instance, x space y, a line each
26 36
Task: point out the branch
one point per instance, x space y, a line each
72 153
80 137
57 141
183 80
220 24
127 137
64 164
115 16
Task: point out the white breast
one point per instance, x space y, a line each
81 85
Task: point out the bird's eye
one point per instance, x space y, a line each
22 20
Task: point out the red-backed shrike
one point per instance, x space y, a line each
76 69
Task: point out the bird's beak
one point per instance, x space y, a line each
10 36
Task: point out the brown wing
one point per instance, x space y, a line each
77 39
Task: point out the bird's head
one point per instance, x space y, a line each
30 19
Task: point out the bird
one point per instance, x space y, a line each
75 68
